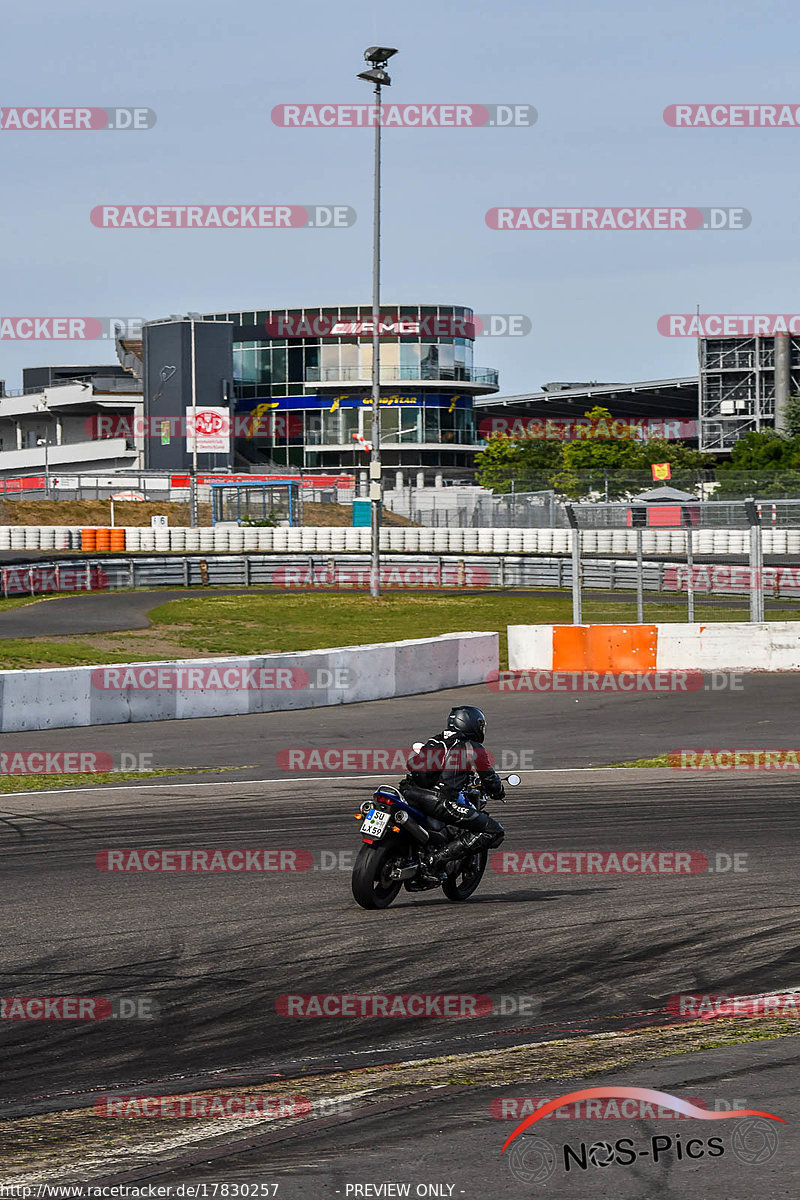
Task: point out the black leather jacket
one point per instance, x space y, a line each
454 762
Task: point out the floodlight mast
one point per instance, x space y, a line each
376 75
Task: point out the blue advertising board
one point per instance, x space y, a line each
331 401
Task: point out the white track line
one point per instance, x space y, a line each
172 787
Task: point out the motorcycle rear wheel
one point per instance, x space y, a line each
463 882
372 887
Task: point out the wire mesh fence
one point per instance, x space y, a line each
470 507
690 562
513 502
609 485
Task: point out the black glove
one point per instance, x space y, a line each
493 786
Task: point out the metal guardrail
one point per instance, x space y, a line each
350 572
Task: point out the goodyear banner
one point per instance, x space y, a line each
331 401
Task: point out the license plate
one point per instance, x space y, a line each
375 822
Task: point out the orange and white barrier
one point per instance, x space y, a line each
718 646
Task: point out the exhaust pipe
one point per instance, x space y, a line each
406 872
407 822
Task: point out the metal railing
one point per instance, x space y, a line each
487 375
466 507
700 531
665 586
611 487
110 383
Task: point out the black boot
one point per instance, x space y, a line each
453 849
474 842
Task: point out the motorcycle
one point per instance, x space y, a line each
400 842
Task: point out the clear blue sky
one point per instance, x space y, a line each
598 74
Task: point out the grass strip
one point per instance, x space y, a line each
42 783
659 760
282 623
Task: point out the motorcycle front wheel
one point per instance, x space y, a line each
372 886
463 882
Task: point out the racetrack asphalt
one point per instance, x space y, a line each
215 951
536 729
449 1139
95 612
593 952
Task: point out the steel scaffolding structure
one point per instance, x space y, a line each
745 384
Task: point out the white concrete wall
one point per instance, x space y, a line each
734 646
530 647
71 696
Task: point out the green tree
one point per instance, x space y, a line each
793 417
604 457
531 465
603 460
762 463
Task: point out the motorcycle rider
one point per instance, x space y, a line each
439 773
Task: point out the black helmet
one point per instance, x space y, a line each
469 721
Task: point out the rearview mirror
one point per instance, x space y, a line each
513 780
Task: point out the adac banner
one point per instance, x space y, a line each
332 401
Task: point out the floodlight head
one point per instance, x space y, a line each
376 75
379 54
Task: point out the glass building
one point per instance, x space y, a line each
310 394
